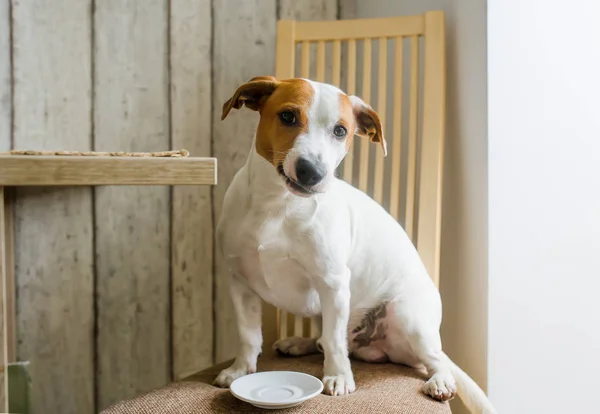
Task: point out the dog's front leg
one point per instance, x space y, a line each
247 306
334 294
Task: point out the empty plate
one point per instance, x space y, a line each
276 389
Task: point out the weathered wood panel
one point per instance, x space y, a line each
53 246
192 224
308 9
5 77
5 141
132 223
244 47
348 9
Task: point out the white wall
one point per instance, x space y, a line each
544 205
464 232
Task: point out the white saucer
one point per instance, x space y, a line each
276 389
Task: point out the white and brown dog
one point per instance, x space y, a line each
308 243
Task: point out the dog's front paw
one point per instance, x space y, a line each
441 386
339 384
296 346
227 376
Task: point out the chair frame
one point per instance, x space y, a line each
431 27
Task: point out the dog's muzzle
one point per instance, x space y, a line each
309 173
294 186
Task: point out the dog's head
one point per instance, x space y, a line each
305 128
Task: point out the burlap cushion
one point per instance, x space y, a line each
381 388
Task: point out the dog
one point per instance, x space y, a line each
297 237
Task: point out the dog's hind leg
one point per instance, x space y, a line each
417 321
427 346
297 346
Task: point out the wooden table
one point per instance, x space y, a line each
41 170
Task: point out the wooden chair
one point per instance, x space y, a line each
408 183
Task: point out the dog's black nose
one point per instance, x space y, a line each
309 173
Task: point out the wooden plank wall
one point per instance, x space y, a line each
119 290
5 144
54 234
192 219
131 113
5 78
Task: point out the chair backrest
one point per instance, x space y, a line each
409 182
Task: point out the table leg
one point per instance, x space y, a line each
7 289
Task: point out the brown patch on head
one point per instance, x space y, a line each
271 97
347 118
275 138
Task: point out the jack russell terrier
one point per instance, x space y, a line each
310 244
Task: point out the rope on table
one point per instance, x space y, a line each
182 153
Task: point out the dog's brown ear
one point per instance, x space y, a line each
252 94
368 124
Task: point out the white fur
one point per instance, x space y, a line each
335 254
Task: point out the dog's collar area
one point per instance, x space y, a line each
293 184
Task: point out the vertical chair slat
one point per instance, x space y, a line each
298 326
336 63
396 155
305 68
432 147
314 332
363 174
321 61
412 137
381 109
283 325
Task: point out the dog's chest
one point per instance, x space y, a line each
262 246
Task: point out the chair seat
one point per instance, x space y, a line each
381 388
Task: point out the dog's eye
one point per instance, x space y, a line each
287 117
339 131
